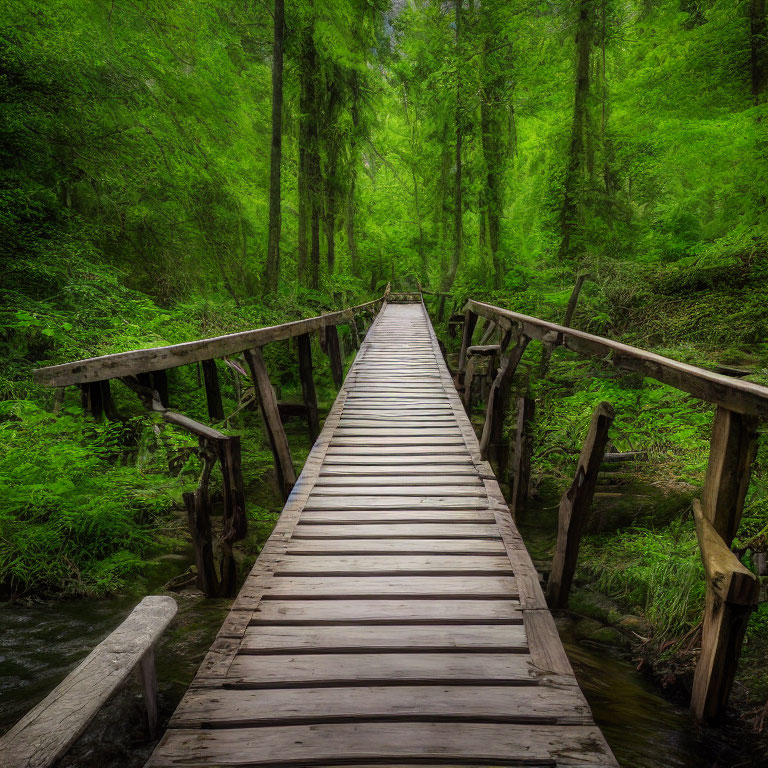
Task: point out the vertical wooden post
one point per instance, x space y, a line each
92 399
732 594
731 453
469 375
213 391
334 354
354 331
496 407
285 472
160 385
470 320
574 507
526 408
308 385
234 522
106 399
147 675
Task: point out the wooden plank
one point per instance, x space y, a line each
48 730
159 358
308 384
732 451
387 639
212 391
334 354
734 394
387 611
362 529
732 594
373 587
392 564
456 471
329 669
366 489
383 743
575 506
353 501
243 708
396 450
268 403
331 546
393 479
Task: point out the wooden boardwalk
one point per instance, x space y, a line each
394 617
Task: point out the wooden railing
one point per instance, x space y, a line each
48 730
144 371
740 405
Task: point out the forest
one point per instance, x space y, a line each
172 170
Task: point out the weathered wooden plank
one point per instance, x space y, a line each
383 586
212 391
330 546
332 744
364 529
732 450
392 480
47 731
514 704
384 639
306 377
353 501
734 394
159 358
732 594
268 403
575 506
341 565
424 491
388 611
326 669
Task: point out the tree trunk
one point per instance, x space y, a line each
272 270
569 213
350 213
458 225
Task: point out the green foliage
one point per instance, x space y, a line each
73 514
656 573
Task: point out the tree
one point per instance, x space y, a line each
272 268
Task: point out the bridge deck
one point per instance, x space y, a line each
394 617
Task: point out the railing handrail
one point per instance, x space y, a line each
734 394
135 361
49 729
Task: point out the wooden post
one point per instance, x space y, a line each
732 594
234 524
268 402
470 320
145 670
93 399
334 354
355 332
496 407
107 402
574 507
160 385
549 347
198 504
469 376
731 453
213 391
526 408
308 385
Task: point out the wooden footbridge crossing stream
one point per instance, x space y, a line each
394 616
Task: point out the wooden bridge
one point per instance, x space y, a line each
394 616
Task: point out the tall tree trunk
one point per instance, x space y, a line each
330 205
758 36
458 224
272 270
569 213
415 181
350 213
